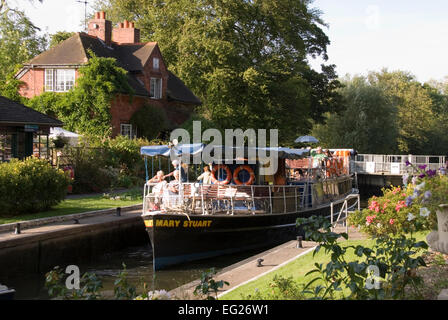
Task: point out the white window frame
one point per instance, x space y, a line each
155 91
126 130
156 63
59 80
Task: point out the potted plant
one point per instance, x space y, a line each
431 193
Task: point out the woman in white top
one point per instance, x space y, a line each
206 177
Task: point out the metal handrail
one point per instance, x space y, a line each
279 198
383 163
344 209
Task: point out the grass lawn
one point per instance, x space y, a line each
79 205
297 269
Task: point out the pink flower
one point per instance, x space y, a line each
370 219
391 221
400 205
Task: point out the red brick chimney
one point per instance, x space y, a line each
100 27
126 33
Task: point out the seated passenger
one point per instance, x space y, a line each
157 190
206 177
171 195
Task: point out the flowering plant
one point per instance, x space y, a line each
430 191
388 214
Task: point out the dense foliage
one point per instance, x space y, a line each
86 107
30 185
389 113
104 163
381 272
246 60
150 121
19 39
405 209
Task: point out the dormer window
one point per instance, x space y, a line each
155 63
59 80
156 88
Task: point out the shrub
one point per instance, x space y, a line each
150 121
390 214
30 185
103 163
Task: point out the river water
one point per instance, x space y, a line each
138 261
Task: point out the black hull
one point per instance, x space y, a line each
176 238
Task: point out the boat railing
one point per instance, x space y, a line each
194 198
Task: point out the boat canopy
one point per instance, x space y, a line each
165 150
196 148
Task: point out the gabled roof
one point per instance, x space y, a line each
131 57
12 112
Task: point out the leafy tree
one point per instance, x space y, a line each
19 39
368 124
246 60
414 108
60 36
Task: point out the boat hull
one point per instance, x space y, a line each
178 238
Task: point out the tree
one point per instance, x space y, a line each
368 124
414 108
19 39
59 36
246 60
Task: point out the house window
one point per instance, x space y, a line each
156 88
59 80
126 130
155 63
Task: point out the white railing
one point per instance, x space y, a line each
228 199
393 164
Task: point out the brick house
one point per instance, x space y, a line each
57 70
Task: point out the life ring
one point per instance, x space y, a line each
249 170
228 174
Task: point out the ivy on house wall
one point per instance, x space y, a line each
86 108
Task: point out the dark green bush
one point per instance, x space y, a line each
30 185
150 121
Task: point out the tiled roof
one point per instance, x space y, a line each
12 112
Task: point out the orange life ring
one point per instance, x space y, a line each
228 174
249 170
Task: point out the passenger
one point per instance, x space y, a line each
171 196
206 177
328 154
318 157
298 174
173 186
159 177
178 167
157 190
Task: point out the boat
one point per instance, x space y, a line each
6 293
241 210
